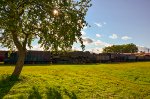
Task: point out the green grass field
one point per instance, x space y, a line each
97 81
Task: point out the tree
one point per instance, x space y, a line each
57 24
125 48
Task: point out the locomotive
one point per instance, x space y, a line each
74 57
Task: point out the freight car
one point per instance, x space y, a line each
117 57
147 57
104 57
130 57
32 57
2 55
1 58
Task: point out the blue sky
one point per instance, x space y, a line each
118 22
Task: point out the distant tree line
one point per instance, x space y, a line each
125 48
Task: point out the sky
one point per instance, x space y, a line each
115 22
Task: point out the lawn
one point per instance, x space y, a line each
95 81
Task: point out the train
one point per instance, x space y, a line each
72 57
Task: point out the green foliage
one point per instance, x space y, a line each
97 81
125 48
56 23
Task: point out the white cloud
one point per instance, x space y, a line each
98 24
113 36
101 43
98 35
95 50
87 41
125 38
83 32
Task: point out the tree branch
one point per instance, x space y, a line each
16 41
25 41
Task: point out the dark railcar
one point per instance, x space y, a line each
104 57
2 55
141 58
131 57
147 57
32 57
38 57
1 58
118 57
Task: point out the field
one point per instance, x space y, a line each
95 81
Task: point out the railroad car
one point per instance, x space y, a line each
147 57
32 57
131 57
2 55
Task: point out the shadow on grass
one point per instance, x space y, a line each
34 94
6 83
51 93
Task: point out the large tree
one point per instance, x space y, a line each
125 48
57 24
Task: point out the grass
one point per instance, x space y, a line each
96 81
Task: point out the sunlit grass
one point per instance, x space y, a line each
121 80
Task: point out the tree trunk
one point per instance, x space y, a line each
19 64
